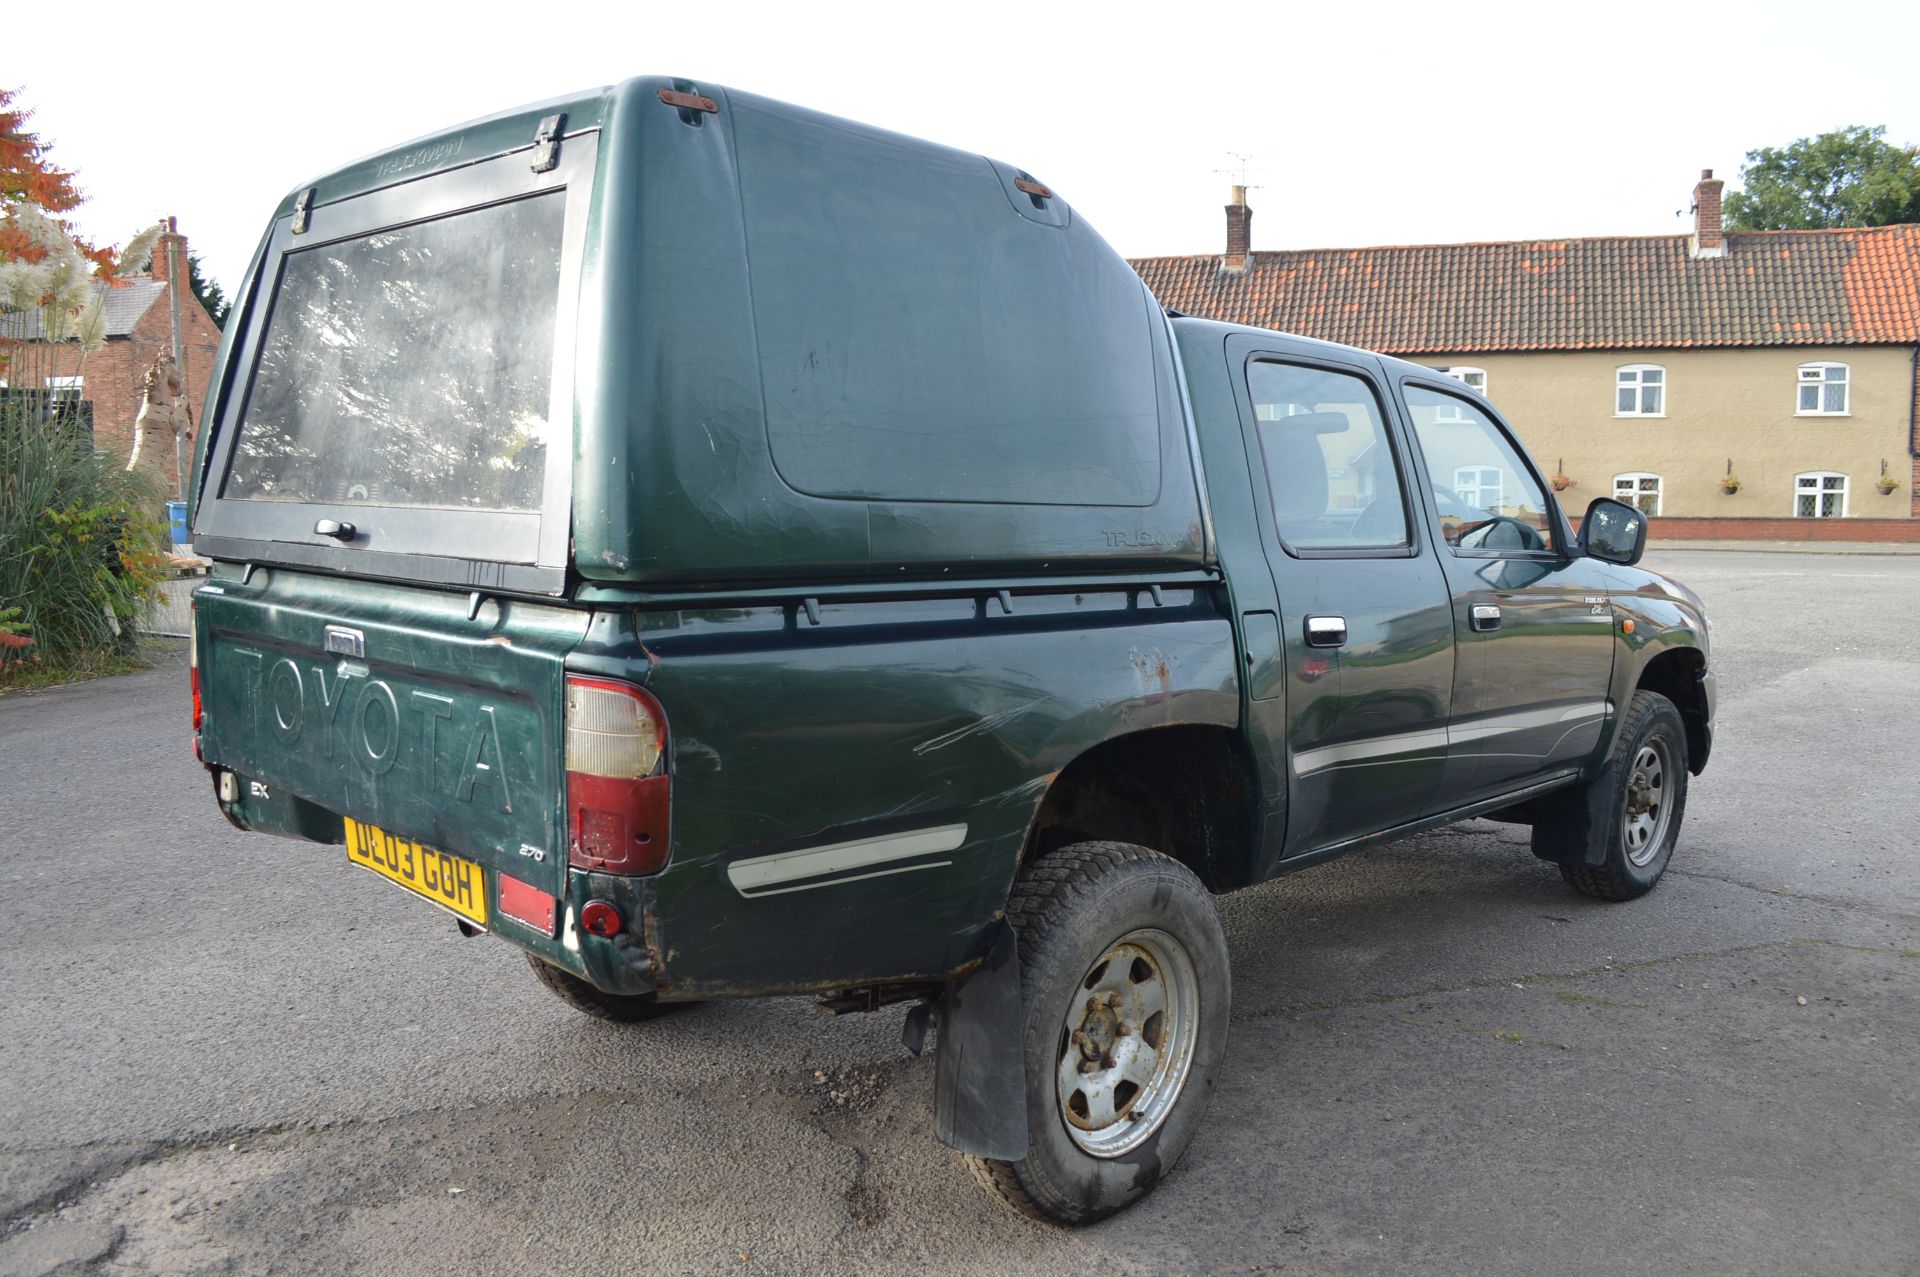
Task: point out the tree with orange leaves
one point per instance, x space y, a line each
24 171
27 177
44 267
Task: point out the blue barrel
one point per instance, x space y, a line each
177 522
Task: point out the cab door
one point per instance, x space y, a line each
1365 636
1533 624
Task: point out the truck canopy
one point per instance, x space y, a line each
706 339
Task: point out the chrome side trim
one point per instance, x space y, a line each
1526 720
1310 761
768 875
1350 753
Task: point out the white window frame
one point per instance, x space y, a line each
1639 385
1817 377
1630 483
67 389
1818 484
1474 379
1479 487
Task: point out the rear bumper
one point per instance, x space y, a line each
623 963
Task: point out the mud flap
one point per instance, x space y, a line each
1571 827
980 1081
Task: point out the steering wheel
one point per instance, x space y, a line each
1528 536
1383 522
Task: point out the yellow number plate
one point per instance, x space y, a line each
442 878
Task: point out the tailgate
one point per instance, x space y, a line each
390 704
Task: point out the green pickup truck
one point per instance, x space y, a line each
729 551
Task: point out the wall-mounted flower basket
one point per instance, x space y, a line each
1562 482
1887 485
1730 484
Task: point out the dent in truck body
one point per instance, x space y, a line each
790 737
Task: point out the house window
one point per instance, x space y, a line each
1478 486
1474 379
1820 495
1640 390
1640 490
66 389
1823 390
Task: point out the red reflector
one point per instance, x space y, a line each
601 918
527 904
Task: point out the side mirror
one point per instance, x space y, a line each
1613 532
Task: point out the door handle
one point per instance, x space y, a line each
1326 631
1484 616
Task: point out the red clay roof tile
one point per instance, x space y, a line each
1854 286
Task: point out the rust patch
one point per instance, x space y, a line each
689 101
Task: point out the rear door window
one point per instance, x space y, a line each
1329 464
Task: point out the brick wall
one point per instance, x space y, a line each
1905 531
1913 490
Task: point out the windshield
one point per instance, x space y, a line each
410 367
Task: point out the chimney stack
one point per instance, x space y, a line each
1708 239
1239 232
171 238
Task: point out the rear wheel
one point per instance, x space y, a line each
622 1008
1629 818
1124 981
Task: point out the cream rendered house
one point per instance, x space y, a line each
1659 369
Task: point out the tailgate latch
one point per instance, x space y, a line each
342 641
546 142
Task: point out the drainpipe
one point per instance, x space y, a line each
179 357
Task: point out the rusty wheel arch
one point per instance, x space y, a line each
1187 791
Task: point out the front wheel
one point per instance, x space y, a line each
1125 988
1629 818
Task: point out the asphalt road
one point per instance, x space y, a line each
222 1053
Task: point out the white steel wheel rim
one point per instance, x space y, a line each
1126 1046
1649 803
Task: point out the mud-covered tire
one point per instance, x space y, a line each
1078 911
621 1008
1610 821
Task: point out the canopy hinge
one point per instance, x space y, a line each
546 142
302 206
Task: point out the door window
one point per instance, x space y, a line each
1494 503
1329 464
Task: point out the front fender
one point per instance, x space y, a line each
1653 620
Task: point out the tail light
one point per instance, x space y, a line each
193 671
618 789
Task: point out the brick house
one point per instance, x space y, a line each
1647 367
113 378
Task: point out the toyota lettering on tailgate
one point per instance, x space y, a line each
455 747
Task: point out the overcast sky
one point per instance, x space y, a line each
1368 123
